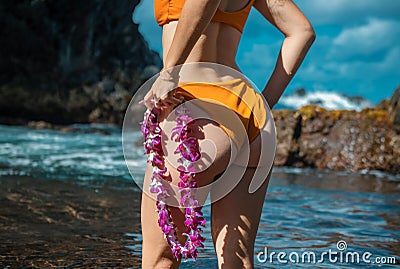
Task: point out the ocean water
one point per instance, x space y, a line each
305 210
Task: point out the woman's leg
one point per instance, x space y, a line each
234 222
156 252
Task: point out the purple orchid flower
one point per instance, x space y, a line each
188 149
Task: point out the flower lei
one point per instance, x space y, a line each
188 149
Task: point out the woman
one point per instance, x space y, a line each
210 31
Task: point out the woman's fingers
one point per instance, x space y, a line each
161 94
174 100
168 99
165 103
148 99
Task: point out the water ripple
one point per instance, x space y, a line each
305 209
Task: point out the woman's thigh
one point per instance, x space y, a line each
235 220
216 157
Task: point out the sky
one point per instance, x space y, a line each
357 50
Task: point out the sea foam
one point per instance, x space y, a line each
327 99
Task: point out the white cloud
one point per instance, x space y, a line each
319 68
344 12
372 70
376 35
371 79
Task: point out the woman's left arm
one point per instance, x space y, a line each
194 18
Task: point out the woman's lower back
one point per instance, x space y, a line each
218 44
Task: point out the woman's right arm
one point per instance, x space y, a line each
299 36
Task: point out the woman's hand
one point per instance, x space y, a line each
161 94
194 18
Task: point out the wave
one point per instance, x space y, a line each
84 156
326 99
58 155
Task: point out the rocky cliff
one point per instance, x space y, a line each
340 139
70 61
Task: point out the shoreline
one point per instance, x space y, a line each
314 137
49 223
68 223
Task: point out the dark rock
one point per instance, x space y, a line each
287 123
383 105
356 99
64 61
394 109
40 125
300 92
68 129
317 102
65 129
337 139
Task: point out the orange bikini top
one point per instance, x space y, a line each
169 10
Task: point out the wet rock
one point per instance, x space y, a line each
337 139
383 105
394 109
66 129
40 125
340 139
394 161
64 224
70 61
287 123
300 92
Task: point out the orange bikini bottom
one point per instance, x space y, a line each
220 99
